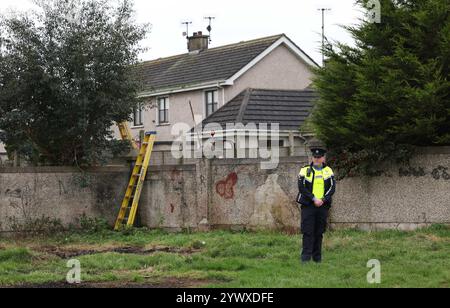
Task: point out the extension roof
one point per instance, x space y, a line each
289 109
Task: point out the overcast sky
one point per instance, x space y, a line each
236 20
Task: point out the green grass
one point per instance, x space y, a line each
260 260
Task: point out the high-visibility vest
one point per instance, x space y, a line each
318 177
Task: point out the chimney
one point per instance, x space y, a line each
198 42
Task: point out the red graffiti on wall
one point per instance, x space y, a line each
225 188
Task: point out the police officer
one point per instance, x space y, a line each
317 185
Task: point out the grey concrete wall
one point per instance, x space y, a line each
244 196
233 194
169 199
59 193
405 198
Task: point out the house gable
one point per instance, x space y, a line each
281 69
282 41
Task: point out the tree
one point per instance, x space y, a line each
66 78
389 93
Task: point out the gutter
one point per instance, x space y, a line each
181 89
246 132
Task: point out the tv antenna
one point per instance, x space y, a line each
323 32
186 23
209 28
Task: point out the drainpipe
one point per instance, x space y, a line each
304 142
16 161
291 144
219 86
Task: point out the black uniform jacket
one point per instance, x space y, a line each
306 180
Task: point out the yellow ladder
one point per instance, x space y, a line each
125 133
127 214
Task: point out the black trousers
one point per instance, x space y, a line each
314 225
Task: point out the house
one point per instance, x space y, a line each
189 88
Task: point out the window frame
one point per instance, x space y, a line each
165 110
214 103
138 113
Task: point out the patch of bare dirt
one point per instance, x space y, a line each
167 283
68 253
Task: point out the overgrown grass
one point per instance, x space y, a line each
414 259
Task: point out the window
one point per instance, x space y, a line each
163 110
269 143
138 116
211 102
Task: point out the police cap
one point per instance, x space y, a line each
318 152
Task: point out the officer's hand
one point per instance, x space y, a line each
318 203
